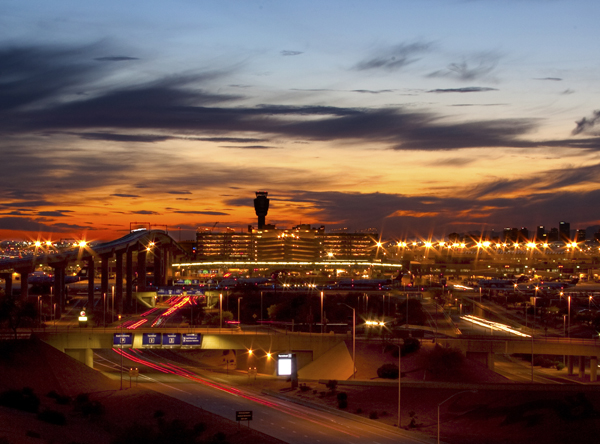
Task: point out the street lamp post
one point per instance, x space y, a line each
239 299
121 343
322 324
569 302
438 410
220 311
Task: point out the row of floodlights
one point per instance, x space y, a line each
484 244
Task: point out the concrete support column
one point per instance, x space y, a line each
168 270
570 360
159 275
24 272
582 367
8 283
593 368
59 289
490 361
141 269
90 273
128 280
119 282
104 274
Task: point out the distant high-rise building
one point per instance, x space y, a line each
511 235
261 206
523 234
564 231
540 233
580 236
553 235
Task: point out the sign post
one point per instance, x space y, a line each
243 415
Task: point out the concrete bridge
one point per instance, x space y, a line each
483 349
154 245
318 356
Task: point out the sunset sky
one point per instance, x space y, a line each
417 118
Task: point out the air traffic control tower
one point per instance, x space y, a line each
261 206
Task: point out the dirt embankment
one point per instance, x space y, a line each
33 364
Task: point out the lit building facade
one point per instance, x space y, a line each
301 243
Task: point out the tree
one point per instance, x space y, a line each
213 318
17 313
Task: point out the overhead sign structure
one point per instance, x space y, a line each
171 339
123 339
151 339
191 339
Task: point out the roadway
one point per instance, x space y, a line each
290 422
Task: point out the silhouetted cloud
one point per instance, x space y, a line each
27 224
249 147
115 58
209 213
125 195
179 192
55 213
586 123
368 91
555 79
468 89
476 68
394 58
290 53
147 138
145 212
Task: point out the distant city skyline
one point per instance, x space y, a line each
417 119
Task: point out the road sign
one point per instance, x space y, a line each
171 339
191 339
151 339
243 415
123 339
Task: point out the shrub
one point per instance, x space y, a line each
23 399
373 415
388 371
411 345
199 428
92 408
52 417
332 385
304 388
81 399
342 404
359 410
542 361
342 396
219 436
559 365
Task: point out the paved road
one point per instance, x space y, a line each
290 422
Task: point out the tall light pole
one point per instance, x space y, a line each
569 302
220 311
239 299
121 343
353 339
322 324
438 410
